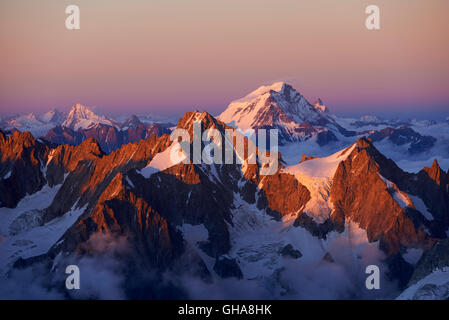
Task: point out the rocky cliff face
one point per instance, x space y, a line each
112 188
364 190
22 158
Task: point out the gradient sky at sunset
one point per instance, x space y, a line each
167 56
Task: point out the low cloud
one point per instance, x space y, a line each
105 273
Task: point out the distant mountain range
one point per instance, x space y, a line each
82 123
281 107
277 106
103 195
78 118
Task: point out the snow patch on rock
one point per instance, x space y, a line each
170 157
316 175
435 286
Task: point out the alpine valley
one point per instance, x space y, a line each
84 189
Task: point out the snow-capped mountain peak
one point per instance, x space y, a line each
24 122
81 117
282 107
278 103
262 90
79 111
132 122
53 116
27 119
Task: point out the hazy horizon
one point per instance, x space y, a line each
169 57
179 111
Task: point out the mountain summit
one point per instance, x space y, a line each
280 106
31 122
256 109
81 117
54 117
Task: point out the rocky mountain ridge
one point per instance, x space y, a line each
398 211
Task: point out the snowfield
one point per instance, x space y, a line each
316 175
433 287
26 237
170 157
257 239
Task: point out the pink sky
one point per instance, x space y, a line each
167 56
